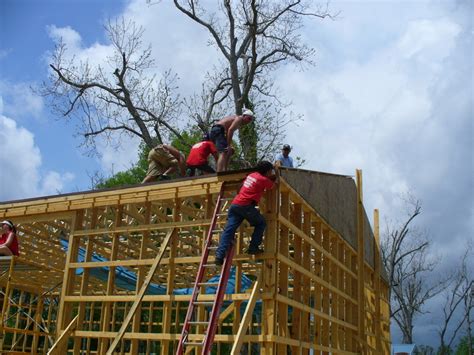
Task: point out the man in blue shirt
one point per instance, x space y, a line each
284 159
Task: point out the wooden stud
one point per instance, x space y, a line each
360 265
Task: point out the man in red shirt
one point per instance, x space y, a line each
198 155
244 207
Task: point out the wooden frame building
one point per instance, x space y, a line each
110 271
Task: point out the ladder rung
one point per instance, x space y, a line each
203 302
210 265
193 344
198 322
213 247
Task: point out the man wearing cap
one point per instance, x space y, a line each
223 131
284 159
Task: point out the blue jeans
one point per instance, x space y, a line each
235 217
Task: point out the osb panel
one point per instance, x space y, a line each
334 197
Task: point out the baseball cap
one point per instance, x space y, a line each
247 112
286 147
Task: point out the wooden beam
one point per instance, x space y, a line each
141 293
377 267
247 317
360 265
62 339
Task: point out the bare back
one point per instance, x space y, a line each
227 121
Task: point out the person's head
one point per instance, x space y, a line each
205 137
286 150
264 168
247 116
8 226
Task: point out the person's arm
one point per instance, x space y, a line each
10 238
181 163
213 151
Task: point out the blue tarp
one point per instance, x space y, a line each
127 279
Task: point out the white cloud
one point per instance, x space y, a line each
115 158
68 35
20 100
21 161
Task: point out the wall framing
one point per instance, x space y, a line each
318 291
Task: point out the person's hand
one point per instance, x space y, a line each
230 150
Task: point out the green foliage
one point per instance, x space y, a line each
188 139
444 350
463 346
248 137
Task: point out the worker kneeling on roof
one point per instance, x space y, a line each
163 160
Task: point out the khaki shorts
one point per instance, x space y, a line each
160 160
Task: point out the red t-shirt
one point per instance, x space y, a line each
252 189
13 246
200 152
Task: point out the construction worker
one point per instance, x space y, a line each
244 207
198 155
223 131
164 160
284 158
9 240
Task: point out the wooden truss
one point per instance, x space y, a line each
107 272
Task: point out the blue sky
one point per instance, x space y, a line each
391 93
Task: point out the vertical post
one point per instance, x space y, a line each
65 309
107 307
85 283
283 274
377 266
6 302
270 269
297 279
360 264
140 278
305 320
38 317
168 305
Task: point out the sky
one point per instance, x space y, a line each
391 93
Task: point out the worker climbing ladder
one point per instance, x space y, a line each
200 285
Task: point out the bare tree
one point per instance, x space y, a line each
405 253
458 294
120 96
254 38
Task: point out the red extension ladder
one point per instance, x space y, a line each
211 324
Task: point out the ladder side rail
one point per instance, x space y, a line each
199 275
213 320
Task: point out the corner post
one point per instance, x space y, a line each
360 265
